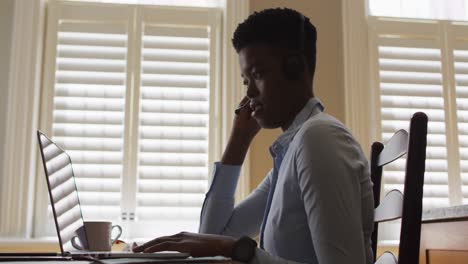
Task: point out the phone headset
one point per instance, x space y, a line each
294 63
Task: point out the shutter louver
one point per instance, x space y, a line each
461 83
89 107
410 80
174 125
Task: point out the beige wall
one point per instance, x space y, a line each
6 20
326 16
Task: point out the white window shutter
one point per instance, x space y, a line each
410 79
89 101
129 94
460 64
174 118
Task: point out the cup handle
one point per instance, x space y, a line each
75 244
117 237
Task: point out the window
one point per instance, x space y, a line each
421 65
129 91
199 3
426 9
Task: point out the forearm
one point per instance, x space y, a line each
236 149
244 129
218 215
219 201
215 216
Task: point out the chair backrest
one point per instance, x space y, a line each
387 258
408 205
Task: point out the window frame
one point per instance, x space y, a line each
20 150
362 102
18 205
443 32
136 15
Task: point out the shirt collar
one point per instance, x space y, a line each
281 144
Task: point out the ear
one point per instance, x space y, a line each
293 66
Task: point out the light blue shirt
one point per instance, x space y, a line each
322 206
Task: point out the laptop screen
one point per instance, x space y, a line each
63 194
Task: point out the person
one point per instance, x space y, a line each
316 204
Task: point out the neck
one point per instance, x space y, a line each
298 107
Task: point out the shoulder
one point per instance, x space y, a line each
322 128
324 137
326 147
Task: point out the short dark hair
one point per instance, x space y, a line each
279 27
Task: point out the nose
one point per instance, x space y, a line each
252 90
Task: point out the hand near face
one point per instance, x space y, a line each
244 129
244 124
197 245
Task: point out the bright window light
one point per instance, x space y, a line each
199 3
424 9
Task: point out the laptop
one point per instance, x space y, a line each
66 206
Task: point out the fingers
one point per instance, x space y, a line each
244 100
174 238
182 234
155 241
165 246
194 244
243 104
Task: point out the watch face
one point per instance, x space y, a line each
244 249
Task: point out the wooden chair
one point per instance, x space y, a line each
406 205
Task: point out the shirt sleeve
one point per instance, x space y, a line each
329 164
219 216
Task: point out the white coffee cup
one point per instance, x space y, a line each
99 236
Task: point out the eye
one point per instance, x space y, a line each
256 75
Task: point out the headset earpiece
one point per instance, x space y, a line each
294 64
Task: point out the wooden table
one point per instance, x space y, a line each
14 258
444 236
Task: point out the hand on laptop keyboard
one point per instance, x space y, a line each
197 245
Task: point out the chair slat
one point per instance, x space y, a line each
390 208
395 148
387 258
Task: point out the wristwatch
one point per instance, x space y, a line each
244 249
